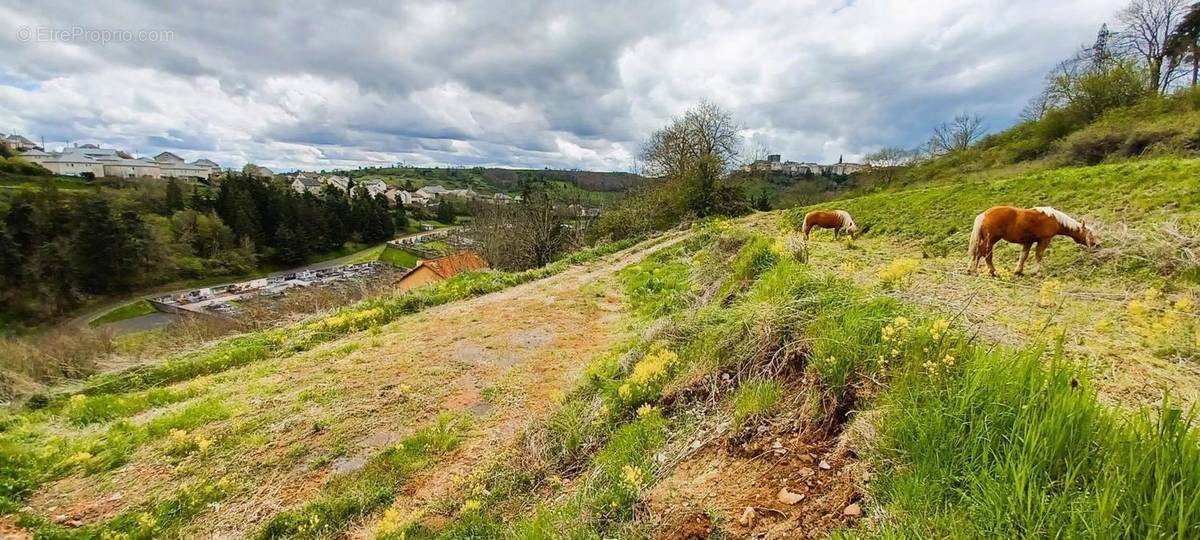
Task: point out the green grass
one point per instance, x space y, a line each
398 257
127 311
1012 447
1142 194
657 285
367 255
755 400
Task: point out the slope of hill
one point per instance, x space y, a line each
729 380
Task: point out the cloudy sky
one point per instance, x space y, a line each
312 85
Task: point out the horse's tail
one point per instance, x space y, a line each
976 232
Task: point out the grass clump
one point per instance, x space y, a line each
656 286
83 409
1008 446
230 354
755 400
356 494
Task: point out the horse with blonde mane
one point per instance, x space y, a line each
838 220
1025 227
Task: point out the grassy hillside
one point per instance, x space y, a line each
723 380
1137 207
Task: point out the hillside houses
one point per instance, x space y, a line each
90 159
308 182
17 142
774 163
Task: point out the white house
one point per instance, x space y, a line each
68 164
340 182
375 187
307 184
90 158
212 166
131 168
17 142
432 192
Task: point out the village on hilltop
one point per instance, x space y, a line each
774 163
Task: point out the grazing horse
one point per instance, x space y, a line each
838 220
1025 227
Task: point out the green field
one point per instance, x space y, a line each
398 257
127 311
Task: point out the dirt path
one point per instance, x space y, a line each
502 358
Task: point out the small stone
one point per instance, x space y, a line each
748 515
116 496
695 444
787 497
824 465
74 523
807 471
853 510
61 518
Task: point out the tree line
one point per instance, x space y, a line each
58 247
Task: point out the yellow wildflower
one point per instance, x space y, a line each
645 409
632 475
471 505
938 328
203 444
146 520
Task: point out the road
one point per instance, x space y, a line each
91 314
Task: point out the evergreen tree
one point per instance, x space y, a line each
445 212
400 216
174 197
50 271
12 267
290 247
763 201
99 248
21 226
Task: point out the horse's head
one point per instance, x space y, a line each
852 230
1086 236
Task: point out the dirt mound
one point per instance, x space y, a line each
783 482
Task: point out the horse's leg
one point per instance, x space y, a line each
991 246
1041 250
837 233
1021 263
807 227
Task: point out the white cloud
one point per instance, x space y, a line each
563 84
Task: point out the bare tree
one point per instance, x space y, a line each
957 135
530 233
1148 25
704 131
890 156
888 162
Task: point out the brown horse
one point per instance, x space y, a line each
838 220
1025 227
